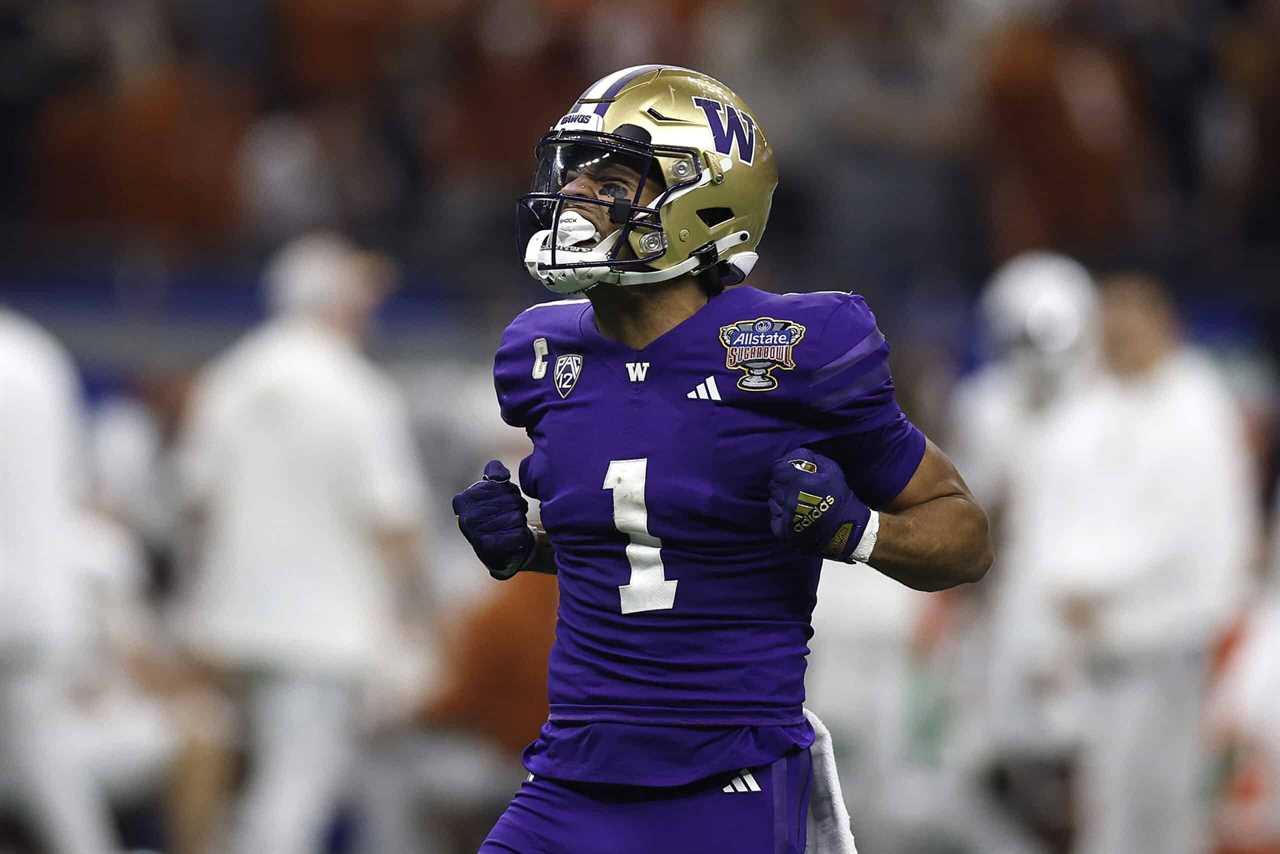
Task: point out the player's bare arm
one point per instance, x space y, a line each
934 535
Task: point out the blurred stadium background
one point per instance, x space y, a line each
156 153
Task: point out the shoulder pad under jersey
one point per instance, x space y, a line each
526 356
842 369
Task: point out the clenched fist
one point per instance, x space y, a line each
812 508
491 515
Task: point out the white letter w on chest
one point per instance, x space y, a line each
637 371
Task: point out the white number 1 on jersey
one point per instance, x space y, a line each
649 590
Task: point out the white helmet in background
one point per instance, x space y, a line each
1041 313
309 273
322 272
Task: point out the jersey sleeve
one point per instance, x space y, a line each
513 380
851 396
523 368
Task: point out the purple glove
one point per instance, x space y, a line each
813 509
491 515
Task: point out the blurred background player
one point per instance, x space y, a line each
44 609
1145 529
1039 315
299 464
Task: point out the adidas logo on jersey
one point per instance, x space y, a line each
744 782
705 390
809 510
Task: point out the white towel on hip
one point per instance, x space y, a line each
827 827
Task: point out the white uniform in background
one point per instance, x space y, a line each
41 609
1040 312
1029 675
1011 678
1140 501
133 471
129 738
299 452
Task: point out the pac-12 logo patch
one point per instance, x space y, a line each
758 347
568 369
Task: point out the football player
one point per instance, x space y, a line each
699 448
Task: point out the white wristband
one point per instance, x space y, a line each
866 545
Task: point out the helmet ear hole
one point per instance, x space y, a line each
714 216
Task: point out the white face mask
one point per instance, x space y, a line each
576 241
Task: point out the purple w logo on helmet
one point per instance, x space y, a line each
728 124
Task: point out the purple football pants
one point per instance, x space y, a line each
756 811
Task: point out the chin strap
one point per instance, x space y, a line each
701 259
578 279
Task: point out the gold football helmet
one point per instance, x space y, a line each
698 159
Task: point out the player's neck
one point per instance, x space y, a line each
636 317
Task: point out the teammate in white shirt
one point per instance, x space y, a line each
40 609
1040 317
299 460
1143 522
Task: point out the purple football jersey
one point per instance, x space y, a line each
683 623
